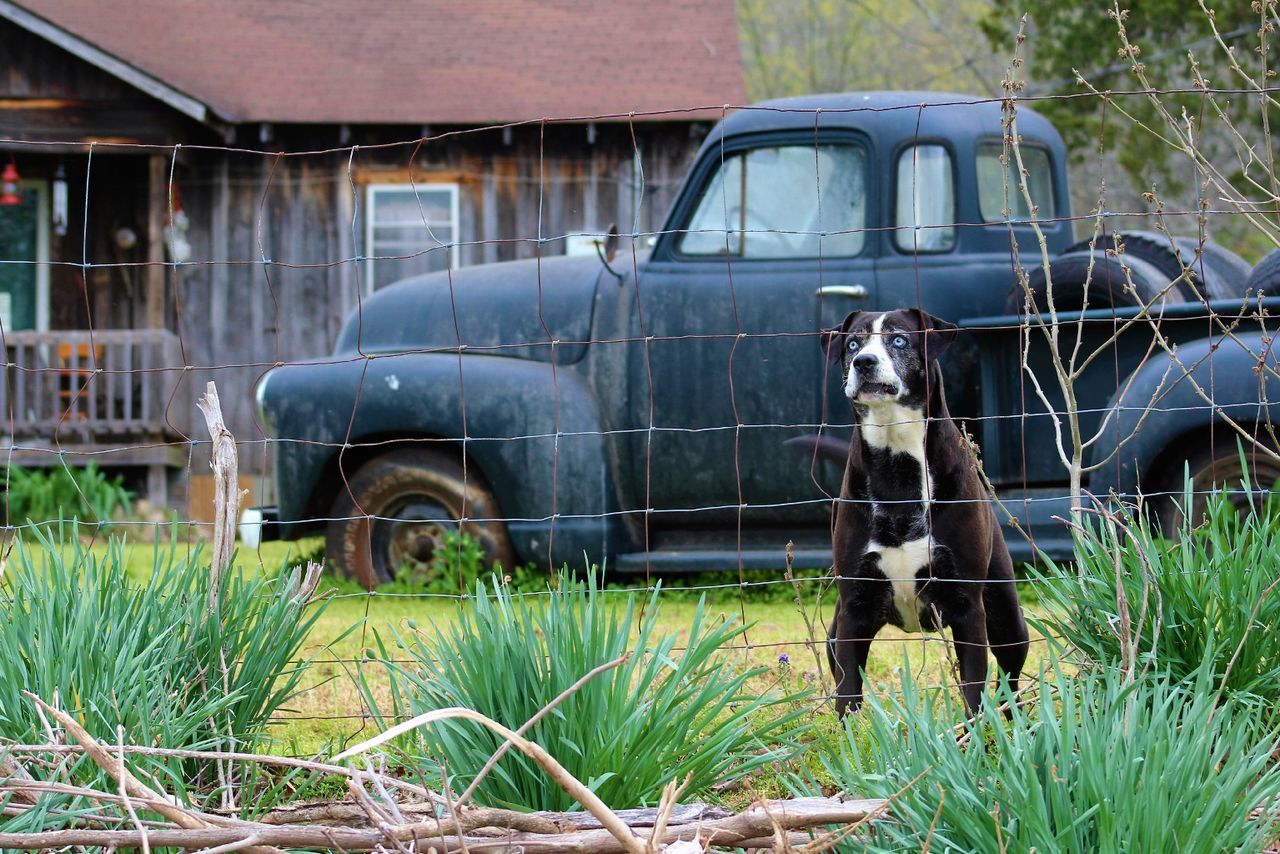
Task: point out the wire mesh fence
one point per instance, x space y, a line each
658 401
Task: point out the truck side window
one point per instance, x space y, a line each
926 200
992 186
787 201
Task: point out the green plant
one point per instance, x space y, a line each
61 492
457 565
665 714
151 658
749 585
1101 763
1140 602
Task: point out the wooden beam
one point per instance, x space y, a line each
149 453
422 175
157 205
46 120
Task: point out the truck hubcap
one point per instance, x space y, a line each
412 533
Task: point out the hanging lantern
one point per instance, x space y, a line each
10 183
60 201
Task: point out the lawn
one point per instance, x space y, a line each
330 709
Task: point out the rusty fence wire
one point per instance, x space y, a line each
274 264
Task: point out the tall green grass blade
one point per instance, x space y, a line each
1104 765
665 714
78 632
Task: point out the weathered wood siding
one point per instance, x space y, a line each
274 268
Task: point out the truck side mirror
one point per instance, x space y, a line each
611 242
608 249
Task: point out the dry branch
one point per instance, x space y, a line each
580 793
747 829
420 826
132 786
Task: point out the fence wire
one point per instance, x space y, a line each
266 269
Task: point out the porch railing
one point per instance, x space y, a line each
91 387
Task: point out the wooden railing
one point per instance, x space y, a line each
112 383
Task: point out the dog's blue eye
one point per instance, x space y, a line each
853 345
899 341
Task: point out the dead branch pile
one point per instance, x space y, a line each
411 819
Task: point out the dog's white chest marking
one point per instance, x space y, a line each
900 565
890 426
900 429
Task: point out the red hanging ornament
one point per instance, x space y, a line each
10 183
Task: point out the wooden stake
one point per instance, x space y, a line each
226 490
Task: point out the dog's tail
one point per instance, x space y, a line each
823 447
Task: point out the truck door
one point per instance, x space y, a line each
771 244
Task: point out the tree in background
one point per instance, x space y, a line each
1072 40
794 47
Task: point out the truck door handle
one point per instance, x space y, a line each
854 291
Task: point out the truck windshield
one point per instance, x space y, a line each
787 201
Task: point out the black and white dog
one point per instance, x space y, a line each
916 542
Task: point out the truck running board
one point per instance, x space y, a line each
706 560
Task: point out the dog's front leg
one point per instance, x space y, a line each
969 631
848 647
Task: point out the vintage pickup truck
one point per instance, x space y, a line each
638 410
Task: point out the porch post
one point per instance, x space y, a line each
157 204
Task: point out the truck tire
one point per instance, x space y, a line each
1214 466
1106 287
1265 278
1222 275
393 513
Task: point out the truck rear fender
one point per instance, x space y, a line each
1224 368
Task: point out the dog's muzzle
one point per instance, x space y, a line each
869 380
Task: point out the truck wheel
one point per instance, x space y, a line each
1107 285
1222 274
1265 278
1215 468
395 511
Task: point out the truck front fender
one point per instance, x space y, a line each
1159 407
532 429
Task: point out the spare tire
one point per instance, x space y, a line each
1106 289
1265 278
1230 266
1219 273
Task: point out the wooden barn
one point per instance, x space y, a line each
197 190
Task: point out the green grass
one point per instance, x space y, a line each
664 714
157 652
1090 762
329 711
1139 602
62 492
321 715
1099 763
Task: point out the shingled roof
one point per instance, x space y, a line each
419 61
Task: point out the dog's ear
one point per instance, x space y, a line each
833 339
939 334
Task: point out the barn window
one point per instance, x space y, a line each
409 230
